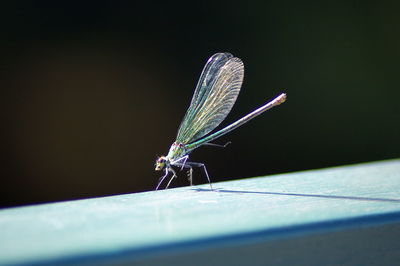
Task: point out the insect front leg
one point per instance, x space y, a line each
173 176
161 179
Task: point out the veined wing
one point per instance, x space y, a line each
204 85
214 97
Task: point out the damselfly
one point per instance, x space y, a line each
213 99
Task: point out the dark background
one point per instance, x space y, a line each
92 93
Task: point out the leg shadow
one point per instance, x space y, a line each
299 195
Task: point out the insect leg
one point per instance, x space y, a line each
186 164
179 163
162 178
217 145
190 175
173 176
202 165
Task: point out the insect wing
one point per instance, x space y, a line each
214 97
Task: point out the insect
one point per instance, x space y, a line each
213 99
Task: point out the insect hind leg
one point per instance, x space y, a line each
217 145
202 165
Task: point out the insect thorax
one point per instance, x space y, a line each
177 151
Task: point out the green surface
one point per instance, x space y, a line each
150 224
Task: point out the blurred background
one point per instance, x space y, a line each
91 94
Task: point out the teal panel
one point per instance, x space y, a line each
154 223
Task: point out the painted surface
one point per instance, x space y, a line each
150 219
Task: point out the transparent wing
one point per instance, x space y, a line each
214 97
204 85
